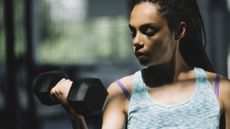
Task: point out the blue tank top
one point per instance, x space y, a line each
201 111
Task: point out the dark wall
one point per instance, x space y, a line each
107 8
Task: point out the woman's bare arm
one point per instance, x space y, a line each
115 111
114 114
61 90
116 108
225 100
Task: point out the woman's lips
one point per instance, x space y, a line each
141 56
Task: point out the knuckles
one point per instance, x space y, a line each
61 87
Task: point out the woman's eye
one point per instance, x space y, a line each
149 31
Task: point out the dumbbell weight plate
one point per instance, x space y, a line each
44 83
87 96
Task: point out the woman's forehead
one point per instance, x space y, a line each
145 12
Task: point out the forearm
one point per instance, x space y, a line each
78 122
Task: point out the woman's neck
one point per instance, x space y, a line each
169 72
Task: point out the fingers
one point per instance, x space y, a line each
61 90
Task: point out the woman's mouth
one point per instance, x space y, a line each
143 58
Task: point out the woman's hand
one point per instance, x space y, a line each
61 90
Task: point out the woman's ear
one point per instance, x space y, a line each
180 31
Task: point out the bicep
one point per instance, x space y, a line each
114 116
113 120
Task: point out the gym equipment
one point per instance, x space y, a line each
43 83
87 95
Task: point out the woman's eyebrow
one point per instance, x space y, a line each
150 25
145 25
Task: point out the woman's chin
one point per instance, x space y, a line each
152 64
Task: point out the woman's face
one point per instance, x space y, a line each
152 41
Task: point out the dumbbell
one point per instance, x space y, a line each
86 96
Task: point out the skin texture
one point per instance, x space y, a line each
157 49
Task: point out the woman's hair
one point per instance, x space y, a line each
192 45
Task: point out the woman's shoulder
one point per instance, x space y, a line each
125 81
213 76
224 85
117 94
224 82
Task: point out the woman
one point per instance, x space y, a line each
176 89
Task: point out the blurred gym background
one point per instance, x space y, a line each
84 38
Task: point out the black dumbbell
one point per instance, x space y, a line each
87 96
43 83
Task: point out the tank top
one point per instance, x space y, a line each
201 111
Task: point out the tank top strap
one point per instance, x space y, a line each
200 74
202 81
202 78
138 85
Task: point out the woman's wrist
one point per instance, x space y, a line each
78 122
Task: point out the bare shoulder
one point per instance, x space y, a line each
116 94
127 83
224 88
225 91
224 82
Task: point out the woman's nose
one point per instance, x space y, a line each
137 40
